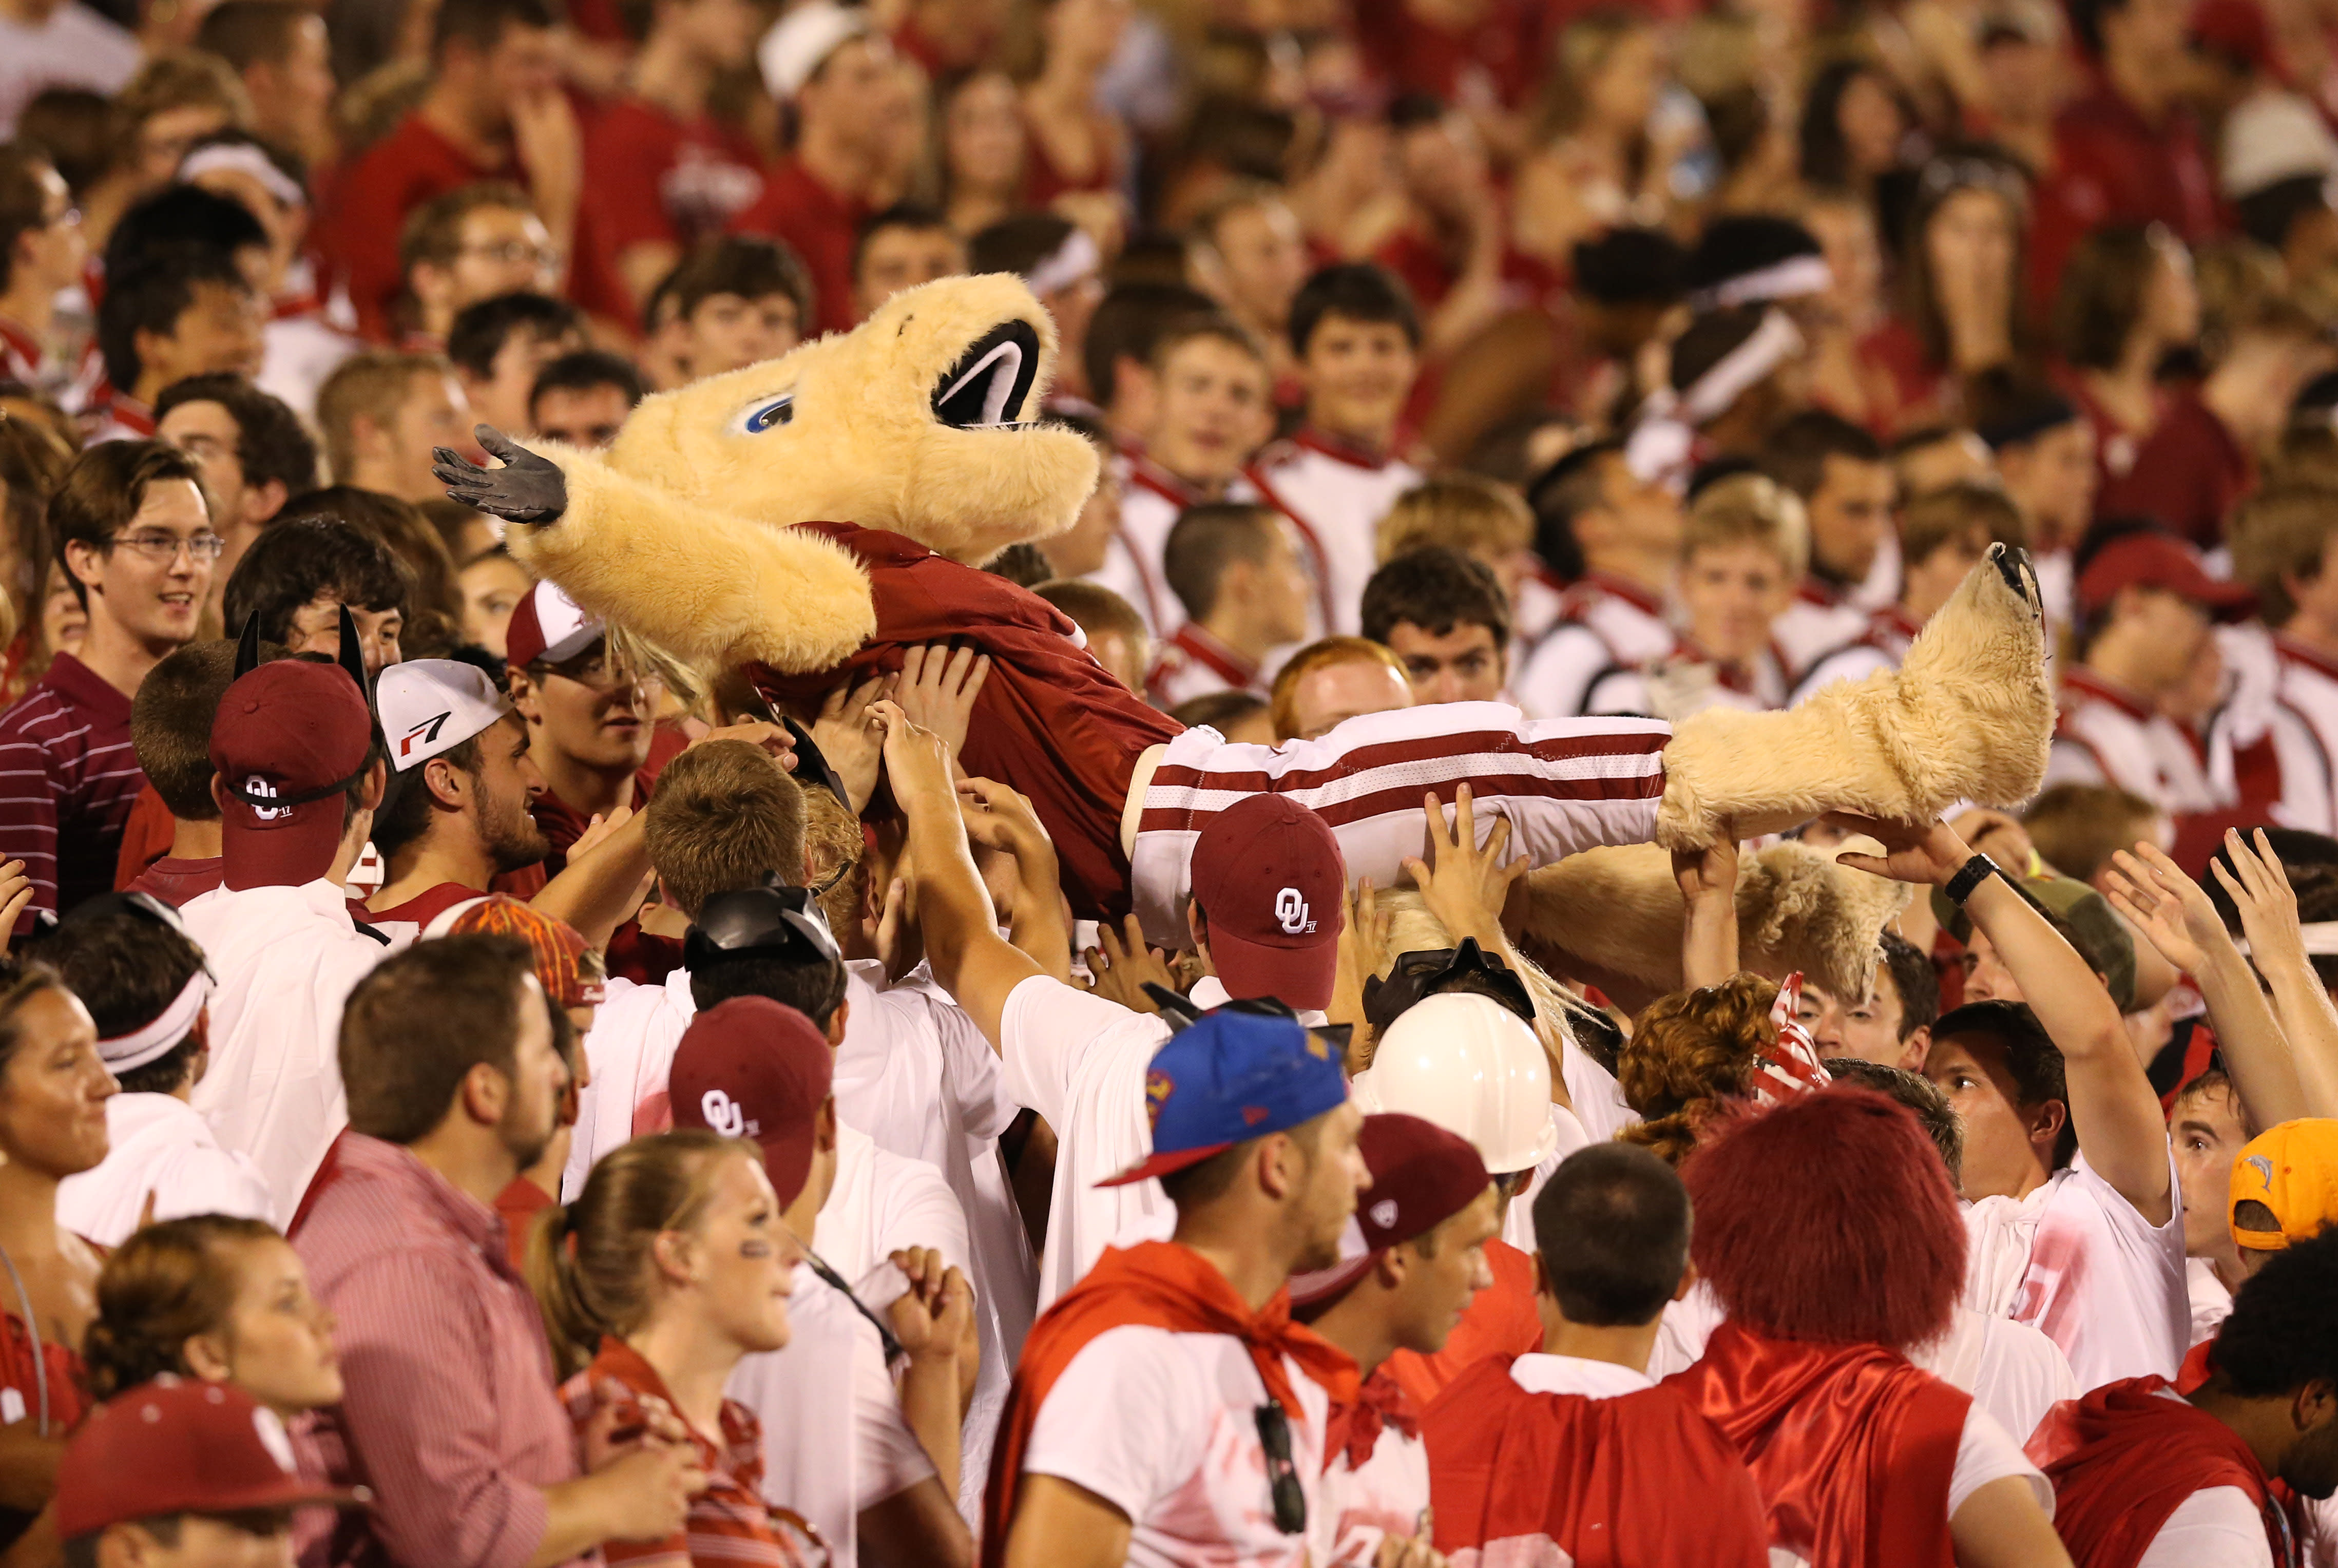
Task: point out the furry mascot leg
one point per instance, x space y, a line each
1612 917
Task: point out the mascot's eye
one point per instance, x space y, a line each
768 415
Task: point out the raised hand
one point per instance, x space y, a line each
853 745
2261 891
1465 885
2172 911
1921 852
999 817
1119 973
17 894
917 760
527 489
937 687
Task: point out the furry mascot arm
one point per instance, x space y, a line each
747 593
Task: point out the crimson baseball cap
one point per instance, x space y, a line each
547 628
2152 559
1228 1077
754 1068
175 1446
1269 878
1423 1176
287 739
429 706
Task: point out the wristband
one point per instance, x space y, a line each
1969 875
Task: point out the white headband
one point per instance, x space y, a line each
154 1040
1792 278
1075 259
236 158
1769 345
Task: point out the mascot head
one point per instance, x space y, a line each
910 422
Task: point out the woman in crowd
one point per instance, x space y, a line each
219 1298
1960 303
1075 146
1691 1057
672 1264
1604 159
53 1092
2127 299
981 153
1853 127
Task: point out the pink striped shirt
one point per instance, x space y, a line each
451 1413
68 780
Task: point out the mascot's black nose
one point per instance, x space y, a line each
2012 564
988 383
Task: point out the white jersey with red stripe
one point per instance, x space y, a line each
1563 785
2109 735
1193 663
50 368
1387 1495
1890 633
1151 499
1606 623
1336 495
1820 620
2304 729
1688 682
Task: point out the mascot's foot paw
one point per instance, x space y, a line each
1613 917
1968 716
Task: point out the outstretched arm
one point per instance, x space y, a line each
2269 920
741 592
979 968
2112 1106
2174 914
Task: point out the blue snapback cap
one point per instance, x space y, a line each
1228 1077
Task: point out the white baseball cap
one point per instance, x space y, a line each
801 42
432 705
548 627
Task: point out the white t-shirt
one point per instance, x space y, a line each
1682 1332
882 1204
917 1075
1164 1426
74 47
286 959
830 1379
2075 1259
1079 1061
631 1051
1387 1495
159 1145
1541 1374
2217 1527
1517 1220
2209 1302
2011 1370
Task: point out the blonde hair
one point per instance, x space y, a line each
2283 531
589 1262
372 383
1321 654
1466 512
179 79
1750 509
833 847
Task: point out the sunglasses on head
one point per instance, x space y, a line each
1431 971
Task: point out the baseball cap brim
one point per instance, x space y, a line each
1154 1165
290 853
1299 977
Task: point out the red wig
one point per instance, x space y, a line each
1828 1218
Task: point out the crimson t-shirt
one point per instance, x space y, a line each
818 224
656 179
411 165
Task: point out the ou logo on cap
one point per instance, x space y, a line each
256 785
723 1115
1291 912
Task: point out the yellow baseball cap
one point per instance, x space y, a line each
2293 1170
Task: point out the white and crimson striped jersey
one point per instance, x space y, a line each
1890 633
1606 623
1563 784
1193 663
1820 620
2109 735
1336 495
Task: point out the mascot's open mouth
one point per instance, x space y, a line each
988 383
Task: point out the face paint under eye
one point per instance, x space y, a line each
755 1248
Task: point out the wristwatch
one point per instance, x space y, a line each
1969 875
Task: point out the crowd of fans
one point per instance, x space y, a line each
472 1098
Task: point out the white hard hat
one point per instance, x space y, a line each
1473 1067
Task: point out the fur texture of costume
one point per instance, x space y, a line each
679 532
1968 716
1616 913
1828 1218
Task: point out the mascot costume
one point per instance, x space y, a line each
805 520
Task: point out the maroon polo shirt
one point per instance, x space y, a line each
68 779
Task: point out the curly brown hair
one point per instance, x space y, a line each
1690 1053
